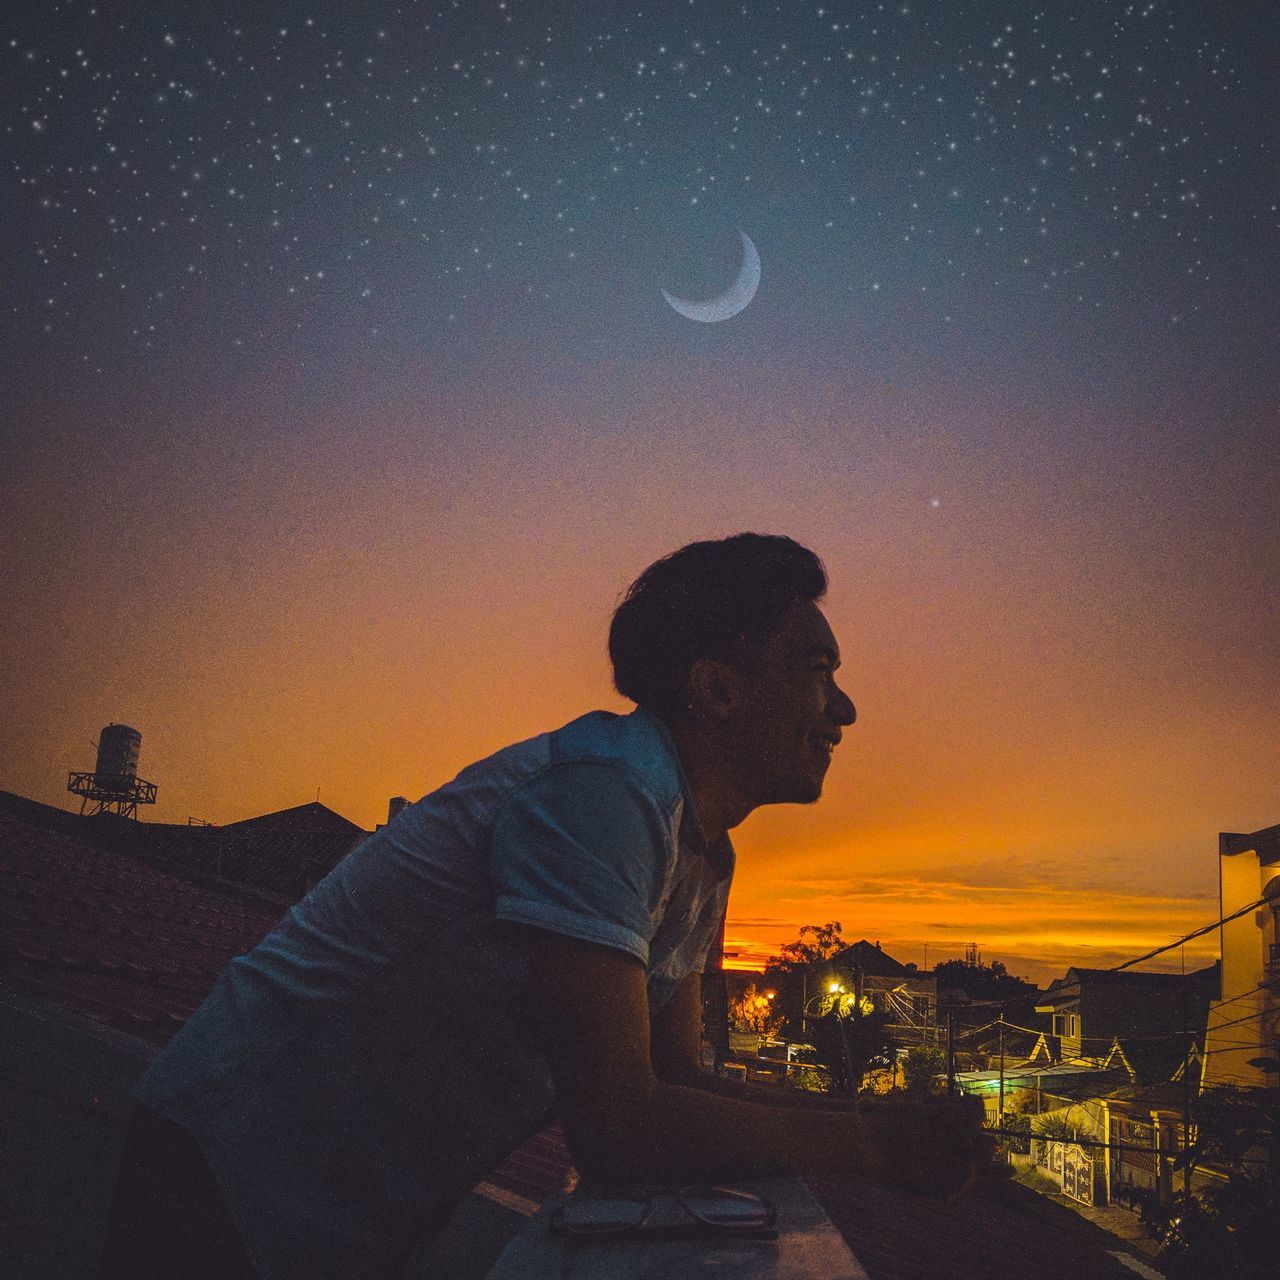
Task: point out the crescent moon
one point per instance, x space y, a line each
727 304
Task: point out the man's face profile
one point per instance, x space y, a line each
792 711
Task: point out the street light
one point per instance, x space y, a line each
834 989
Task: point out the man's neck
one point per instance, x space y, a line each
721 806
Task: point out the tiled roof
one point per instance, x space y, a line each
1155 1060
282 853
871 960
110 936
539 1168
999 1231
1017 1043
312 816
1133 978
286 851
1141 1099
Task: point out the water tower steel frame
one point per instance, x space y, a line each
113 786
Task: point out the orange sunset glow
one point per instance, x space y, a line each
1051 728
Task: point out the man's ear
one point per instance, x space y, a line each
715 689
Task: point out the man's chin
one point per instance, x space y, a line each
801 791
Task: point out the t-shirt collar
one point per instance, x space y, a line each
720 850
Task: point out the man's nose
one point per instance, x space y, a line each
842 710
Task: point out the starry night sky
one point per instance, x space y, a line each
341 401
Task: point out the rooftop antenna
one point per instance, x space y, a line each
114 785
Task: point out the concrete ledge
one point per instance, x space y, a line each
808 1245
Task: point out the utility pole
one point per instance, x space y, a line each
951 1052
1000 1117
1186 1093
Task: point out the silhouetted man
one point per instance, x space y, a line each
524 942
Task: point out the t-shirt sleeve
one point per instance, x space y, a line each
582 850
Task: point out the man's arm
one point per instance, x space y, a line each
588 1006
675 1041
676 1050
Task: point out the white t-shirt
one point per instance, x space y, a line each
367 1063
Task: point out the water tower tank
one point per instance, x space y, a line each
117 765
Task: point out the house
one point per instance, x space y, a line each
997 1042
1091 1007
1040 1087
1145 1132
1243 1040
908 995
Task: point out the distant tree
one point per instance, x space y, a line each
849 1035
813 1078
825 942
981 981
1054 1128
754 1011
1017 1132
1227 1228
921 1068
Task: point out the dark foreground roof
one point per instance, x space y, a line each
110 936
281 854
998 1231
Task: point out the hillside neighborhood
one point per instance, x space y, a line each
1099 1087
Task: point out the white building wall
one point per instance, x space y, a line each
1241 1023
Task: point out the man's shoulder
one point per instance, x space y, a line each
637 745
638 742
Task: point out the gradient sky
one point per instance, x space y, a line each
341 403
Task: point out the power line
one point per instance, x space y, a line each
1195 933
1064 988
1134 1039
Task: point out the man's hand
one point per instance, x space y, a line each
932 1146
586 1008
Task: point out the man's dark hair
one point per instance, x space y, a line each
722 599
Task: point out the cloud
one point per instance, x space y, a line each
1041 928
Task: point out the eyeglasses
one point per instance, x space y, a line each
711 1211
